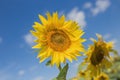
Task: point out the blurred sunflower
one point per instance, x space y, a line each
82 74
57 39
98 56
75 78
102 76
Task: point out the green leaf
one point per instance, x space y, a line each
63 73
54 79
48 63
114 51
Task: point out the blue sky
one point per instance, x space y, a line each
18 61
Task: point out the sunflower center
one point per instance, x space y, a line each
102 78
97 56
82 73
58 40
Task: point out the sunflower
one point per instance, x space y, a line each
75 78
98 55
57 39
82 74
102 76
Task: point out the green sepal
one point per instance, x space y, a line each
48 63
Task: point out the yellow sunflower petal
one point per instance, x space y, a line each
77 54
42 58
62 58
36 34
62 20
55 17
43 20
49 17
38 27
37 46
54 58
68 57
67 24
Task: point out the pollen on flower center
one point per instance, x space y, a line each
58 40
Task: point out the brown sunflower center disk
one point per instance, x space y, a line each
97 56
58 40
102 78
82 73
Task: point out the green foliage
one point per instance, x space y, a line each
114 51
48 63
114 71
63 73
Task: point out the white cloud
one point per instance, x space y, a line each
115 41
73 69
75 66
106 36
21 72
116 45
87 5
38 78
1 40
33 68
77 16
5 73
29 39
100 6
5 76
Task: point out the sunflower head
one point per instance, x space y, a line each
75 78
102 76
57 39
82 73
98 55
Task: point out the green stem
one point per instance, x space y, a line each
63 72
60 68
